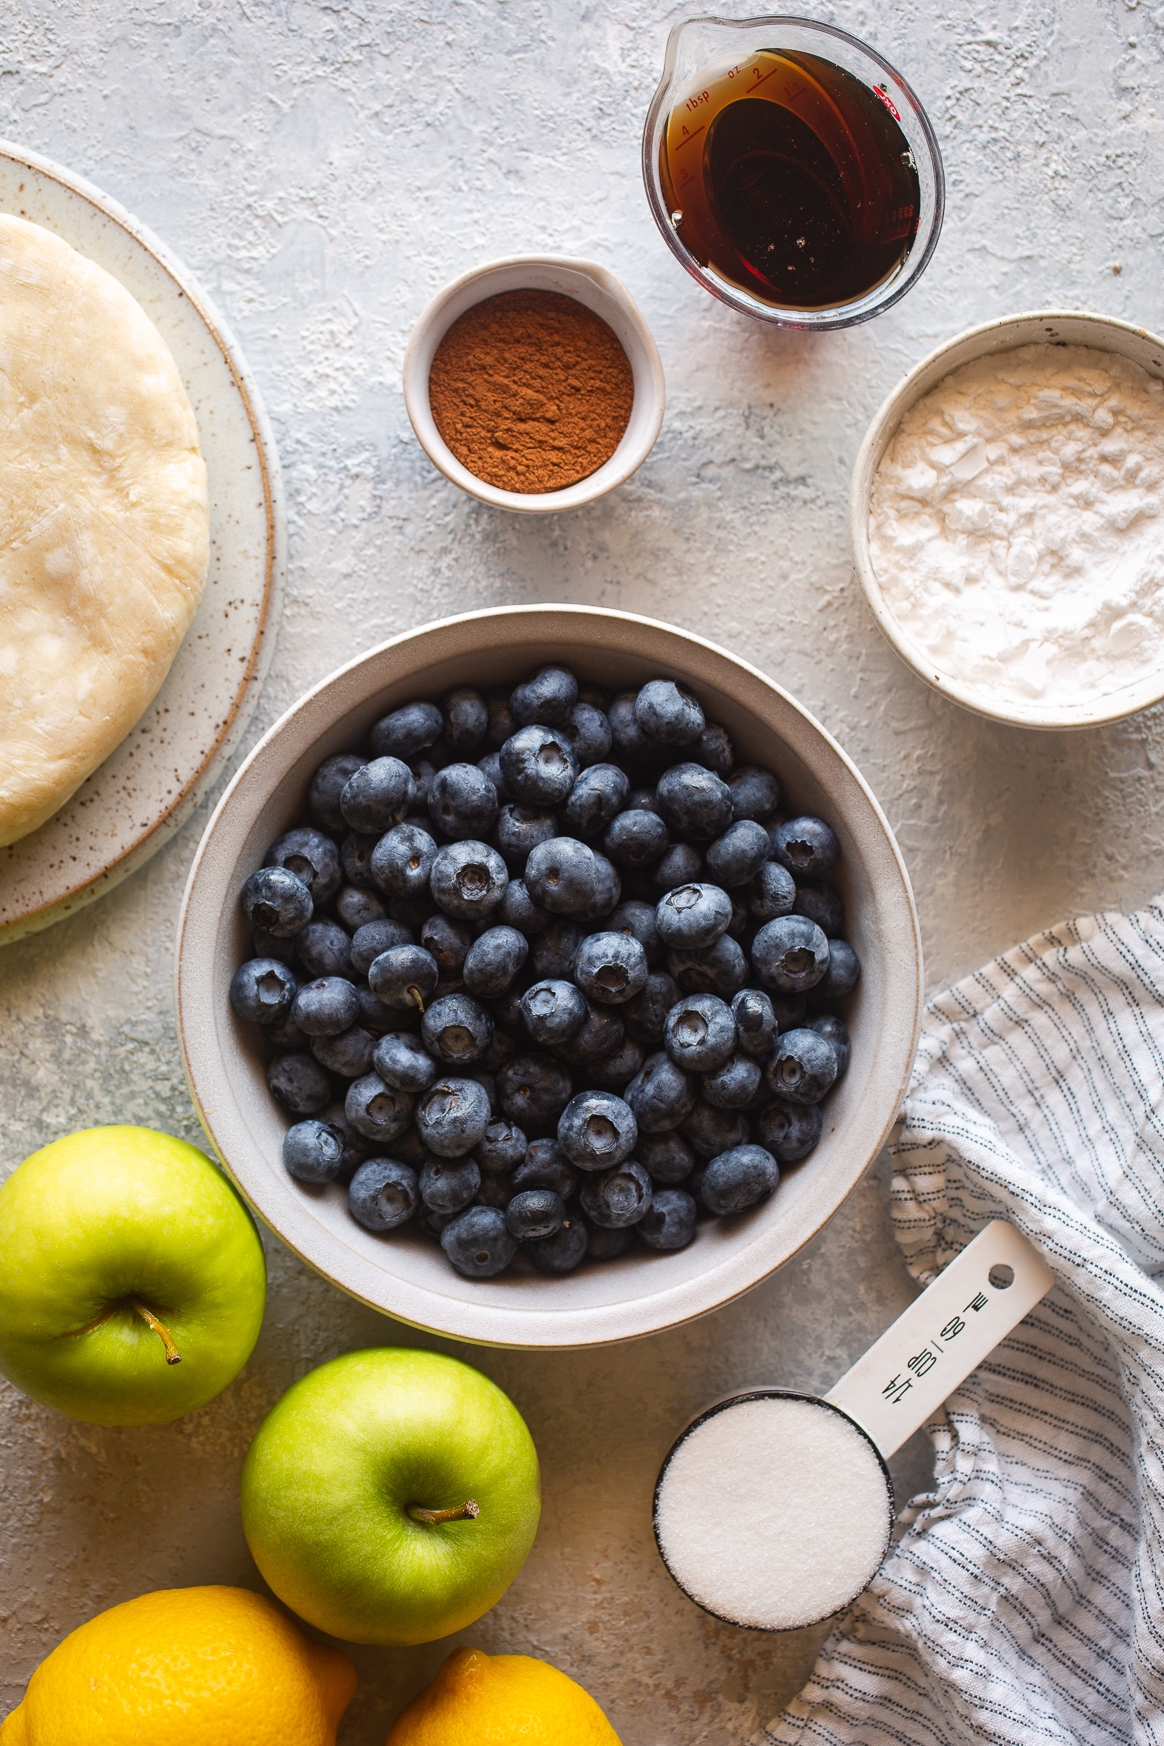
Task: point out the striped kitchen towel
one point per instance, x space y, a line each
1023 1601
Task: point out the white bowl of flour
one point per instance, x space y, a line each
1007 518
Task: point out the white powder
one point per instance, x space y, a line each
773 1513
1015 524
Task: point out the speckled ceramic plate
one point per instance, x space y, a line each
143 791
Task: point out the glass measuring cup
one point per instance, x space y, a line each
778 141
774 1510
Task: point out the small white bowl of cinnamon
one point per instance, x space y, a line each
534 383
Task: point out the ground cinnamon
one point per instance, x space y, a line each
531 390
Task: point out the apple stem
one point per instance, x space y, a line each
173 1356
468 1509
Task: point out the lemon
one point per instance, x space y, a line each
500 1700
185 1667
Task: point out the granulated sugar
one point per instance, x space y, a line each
773 1512
1015 524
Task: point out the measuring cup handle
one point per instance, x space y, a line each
944 1335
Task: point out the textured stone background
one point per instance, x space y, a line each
324 168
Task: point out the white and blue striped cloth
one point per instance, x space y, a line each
1024 1600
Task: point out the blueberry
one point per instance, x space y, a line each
790 954
404 977
493 960
801 1067
637 839
597 1130
714 749
709 1131
324 949
496 1189
547 698
356 1146
790 1130
468 880
402 859
755 792
374 938
554 951
278 901
545 1165
739 854
661 1095
628 736
681 865
538 766
299 1083
606 1243
466 718
407 730
615 1071
463 801
611 967
402 1063
349 1054
357 908
520 829
313 1152
378 1111
422 771
666 1158
755 1022
618 1198
693 916
375 1017
599 793
533 1090
477 1242
313 858
720 969
267 945
409 1148
518 910
448 941
738 1178
490 766
453 1116
326 1006
637 919
456 1030
383 1194
643 800
669 713
411 912
501 722
734 1085
560 875
771 892
562 1252
501 1148
820 904
378 795
535 1212
356 857
286 1036
669 1221
607 891
552 1011
433 1224
448 1184
808 847
600 1033
835 1033
700 1033
327 785
588 731
789 1010
646 1015
841 976
262 990
695 802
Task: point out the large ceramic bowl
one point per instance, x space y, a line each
405 1275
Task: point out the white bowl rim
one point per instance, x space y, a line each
998 335
660 1305
646 366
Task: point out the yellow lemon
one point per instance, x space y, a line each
500 1700
185 1667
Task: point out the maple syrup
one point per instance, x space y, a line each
792 179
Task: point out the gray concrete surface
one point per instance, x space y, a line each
324 168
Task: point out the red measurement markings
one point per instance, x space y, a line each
880 95
690 137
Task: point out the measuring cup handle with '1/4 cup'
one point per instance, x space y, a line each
774 1510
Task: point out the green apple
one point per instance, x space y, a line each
391 1496
132 1279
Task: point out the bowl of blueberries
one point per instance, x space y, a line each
547 976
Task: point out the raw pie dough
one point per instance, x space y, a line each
104 527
